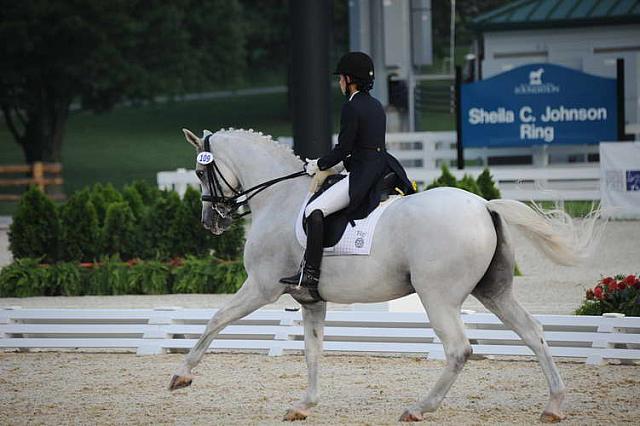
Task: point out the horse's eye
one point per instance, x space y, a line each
200 173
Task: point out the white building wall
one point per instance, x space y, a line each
590 49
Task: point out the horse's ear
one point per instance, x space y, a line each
192 139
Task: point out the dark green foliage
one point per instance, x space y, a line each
468 184
484 186
193 238
488 189
158 233
35 230
230 244
445 179
208 276
151 277
23 278
101 197
118 234
64 278
148 193
109 276
79 229
133 198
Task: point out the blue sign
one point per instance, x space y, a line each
538 104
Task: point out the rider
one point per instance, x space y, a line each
361 148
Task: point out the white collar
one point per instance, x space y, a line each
353 94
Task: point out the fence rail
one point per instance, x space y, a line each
37 175
152 331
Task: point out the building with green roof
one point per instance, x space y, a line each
588 35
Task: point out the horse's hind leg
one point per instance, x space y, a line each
249 298
514 316
446 322
314 316
495 291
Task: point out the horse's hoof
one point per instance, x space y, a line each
411 416
547 417
295 414
179 382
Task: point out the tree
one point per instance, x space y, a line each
102 52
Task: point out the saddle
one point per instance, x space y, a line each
336 223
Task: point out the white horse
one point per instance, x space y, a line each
442 244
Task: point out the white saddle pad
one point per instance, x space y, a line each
356 240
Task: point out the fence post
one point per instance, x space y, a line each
38 174
156 331
604 329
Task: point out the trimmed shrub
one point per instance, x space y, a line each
119 232
468 184
148 193
102 196
230 245
79 233
445 179
35 230
188 234
488 188
158 237
484 186
131 196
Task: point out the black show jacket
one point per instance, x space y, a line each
361 147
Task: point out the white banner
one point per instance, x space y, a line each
620 179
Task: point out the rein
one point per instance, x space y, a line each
233 203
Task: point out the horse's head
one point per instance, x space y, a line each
217 183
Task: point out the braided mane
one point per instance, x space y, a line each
282 150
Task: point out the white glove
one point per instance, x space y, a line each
311 167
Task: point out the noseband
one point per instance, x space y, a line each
228 206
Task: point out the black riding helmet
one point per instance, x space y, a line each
359 66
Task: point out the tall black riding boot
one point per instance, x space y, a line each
310 273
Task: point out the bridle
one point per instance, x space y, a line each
228 206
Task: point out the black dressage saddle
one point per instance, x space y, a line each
336 223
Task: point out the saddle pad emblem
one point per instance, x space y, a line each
356 240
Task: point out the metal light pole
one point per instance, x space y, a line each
310 76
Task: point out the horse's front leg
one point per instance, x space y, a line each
249 298
313 316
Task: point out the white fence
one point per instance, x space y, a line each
152 331
423 152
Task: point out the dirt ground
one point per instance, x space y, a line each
247 389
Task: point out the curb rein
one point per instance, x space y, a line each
232 204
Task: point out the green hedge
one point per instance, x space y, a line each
28 277
139 222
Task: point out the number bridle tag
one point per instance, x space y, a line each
204 158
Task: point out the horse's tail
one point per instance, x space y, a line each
554 232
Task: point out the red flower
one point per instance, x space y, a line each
630 280
597 292
607 281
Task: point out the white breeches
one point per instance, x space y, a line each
333 199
